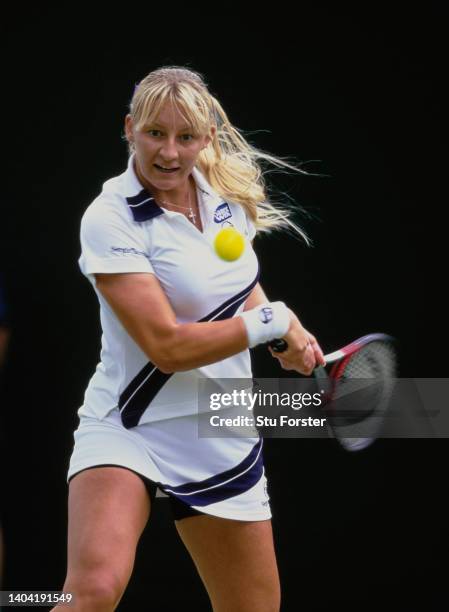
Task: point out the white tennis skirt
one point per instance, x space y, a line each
223 477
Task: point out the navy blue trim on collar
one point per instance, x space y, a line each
143 206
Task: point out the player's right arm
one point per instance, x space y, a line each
143 309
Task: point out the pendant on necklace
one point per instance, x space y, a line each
192 216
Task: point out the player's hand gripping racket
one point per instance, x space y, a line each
357 389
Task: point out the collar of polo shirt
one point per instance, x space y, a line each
142 204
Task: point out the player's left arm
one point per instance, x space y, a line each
256 297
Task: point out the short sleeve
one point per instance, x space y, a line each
110 243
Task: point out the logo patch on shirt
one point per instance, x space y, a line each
222 213
266 315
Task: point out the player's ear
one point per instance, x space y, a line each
208 139
129 127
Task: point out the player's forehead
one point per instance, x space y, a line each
176 116
170 116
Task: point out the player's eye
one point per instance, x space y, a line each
156 133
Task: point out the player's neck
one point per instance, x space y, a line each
179 196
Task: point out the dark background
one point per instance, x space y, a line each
360 90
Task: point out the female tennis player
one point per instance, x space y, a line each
172 311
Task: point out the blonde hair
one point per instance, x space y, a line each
231 165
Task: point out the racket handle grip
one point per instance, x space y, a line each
278 345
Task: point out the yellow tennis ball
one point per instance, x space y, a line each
229 244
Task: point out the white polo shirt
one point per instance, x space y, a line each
124 230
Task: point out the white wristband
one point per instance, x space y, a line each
266 322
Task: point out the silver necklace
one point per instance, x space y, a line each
191 215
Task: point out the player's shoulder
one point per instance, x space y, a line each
108 206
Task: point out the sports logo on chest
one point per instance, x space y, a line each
222 213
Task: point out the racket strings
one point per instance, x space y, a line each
363 385
375 360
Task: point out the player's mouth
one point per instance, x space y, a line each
166 170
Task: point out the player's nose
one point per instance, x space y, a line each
169 151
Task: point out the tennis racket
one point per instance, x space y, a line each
357 389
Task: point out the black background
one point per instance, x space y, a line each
360 90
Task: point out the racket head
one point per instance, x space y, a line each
358 344
359 389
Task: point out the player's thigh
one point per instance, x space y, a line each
108 510
236 561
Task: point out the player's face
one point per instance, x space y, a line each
166 151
